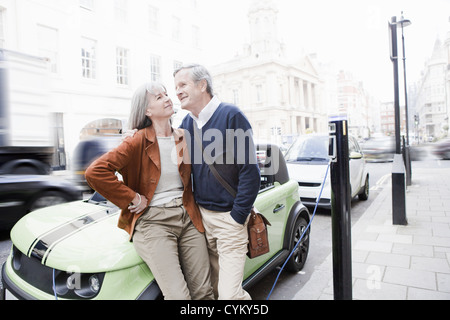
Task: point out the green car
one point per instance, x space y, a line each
76 251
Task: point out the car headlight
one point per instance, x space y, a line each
73 285
94 283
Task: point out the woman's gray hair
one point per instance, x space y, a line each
199 73
139 103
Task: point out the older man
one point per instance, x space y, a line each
226 139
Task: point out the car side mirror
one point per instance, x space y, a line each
355 155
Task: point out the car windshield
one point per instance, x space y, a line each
308 148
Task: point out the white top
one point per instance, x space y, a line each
170 185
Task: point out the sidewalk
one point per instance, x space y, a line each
398 262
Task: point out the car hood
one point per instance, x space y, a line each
307 171
76 236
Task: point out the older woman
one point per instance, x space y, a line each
158 207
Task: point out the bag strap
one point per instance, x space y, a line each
225 184
210 163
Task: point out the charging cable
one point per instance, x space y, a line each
54 285
304 232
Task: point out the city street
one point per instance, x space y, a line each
320 241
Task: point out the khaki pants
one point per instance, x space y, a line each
227 243
175 252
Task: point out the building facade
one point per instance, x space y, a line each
353 101
99 52
431 98
281 99
387 119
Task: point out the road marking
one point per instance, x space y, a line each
380 182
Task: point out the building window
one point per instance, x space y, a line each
258 93
153 19
122 65
121 11
195 37
101 127
155 68
87 4
48 46
176 28
236 96
305 95
282 95
2 27
88 58
297 91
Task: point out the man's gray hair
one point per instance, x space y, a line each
199 73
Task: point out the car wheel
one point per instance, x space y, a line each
25 169
297 260
47 199
2 290
365 194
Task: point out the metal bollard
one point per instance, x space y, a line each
340 209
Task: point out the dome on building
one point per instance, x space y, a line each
257 5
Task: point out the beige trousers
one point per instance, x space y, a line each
175 252
227 243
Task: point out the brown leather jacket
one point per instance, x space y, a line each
137 159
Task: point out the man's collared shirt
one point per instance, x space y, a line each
207 112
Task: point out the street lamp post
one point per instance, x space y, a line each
398 167
401 24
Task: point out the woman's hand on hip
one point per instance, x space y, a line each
138 204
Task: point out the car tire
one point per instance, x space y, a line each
47 199
2 288
26 169
298 259
364 195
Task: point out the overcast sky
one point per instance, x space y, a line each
351 33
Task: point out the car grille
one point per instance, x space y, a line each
309 184
313 200
32 271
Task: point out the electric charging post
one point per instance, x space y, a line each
398 167
340 208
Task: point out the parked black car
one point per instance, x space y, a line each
21 194
442 149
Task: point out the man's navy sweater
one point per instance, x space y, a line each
227 138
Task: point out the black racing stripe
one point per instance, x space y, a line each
42 246
51 231
87 222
